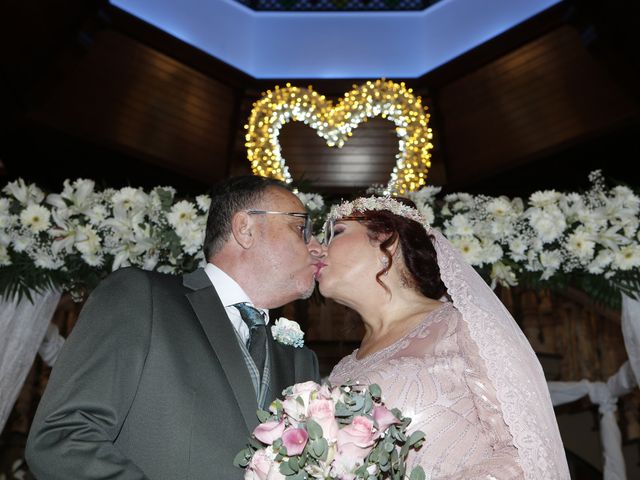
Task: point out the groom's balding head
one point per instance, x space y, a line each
227 198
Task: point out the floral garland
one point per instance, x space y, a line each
75 238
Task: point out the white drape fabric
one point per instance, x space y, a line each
606 395
630 321
512 366
51 345
23 326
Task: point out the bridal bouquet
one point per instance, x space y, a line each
343 432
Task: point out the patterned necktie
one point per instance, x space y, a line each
258 329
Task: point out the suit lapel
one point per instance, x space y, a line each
214 320
283 372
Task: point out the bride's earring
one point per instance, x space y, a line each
385 264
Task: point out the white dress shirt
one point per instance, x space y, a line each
231 293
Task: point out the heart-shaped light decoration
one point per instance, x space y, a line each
390 100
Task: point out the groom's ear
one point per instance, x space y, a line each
243 229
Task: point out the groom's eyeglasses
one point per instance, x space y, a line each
306 231
329 230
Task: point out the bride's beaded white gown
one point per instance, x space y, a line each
435 375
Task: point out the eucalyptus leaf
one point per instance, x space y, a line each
415 438
263 416
293 464
388 446
417 474
286 469
242 458
300 475
375 390
255 443
320 447
342 410
313 429
358 404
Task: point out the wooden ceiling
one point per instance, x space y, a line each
125 103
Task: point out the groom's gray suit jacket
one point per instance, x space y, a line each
152 384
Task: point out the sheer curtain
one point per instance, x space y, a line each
23 326
606 394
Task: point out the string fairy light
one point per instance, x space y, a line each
390 100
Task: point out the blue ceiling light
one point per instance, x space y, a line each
268 44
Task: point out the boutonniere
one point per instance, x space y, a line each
287 332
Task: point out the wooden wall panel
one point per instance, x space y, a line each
125 94
543 95
368 157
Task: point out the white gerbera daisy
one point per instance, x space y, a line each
549 223
87 241
36 218
603 260
581 245
204 202
469 247
544 198
517 248
46 260
460 225
499 207
627 257
128 198
182 214
551 261
5 259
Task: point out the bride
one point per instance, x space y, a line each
441 345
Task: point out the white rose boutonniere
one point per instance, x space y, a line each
287 332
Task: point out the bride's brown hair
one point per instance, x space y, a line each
416 245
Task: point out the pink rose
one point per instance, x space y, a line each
355 441
297 409
325 392
295 439
323 413
259 466
305 387
268 432
294 409
360 432
274 473
383 417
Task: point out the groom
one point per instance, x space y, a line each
156 381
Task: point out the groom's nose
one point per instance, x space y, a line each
315 248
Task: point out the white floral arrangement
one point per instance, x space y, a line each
590 238
74 238
288 332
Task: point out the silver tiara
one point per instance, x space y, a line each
364 204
